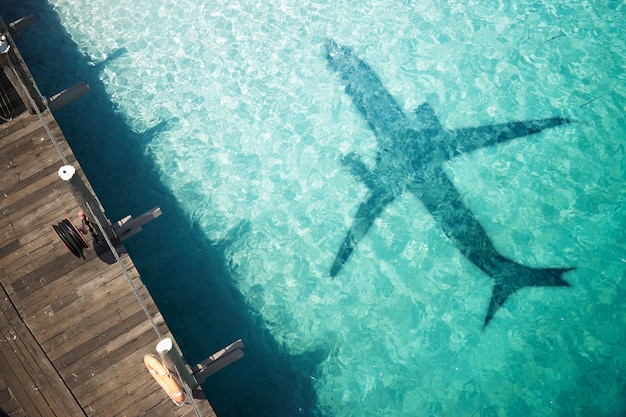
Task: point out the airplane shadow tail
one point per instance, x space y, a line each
511 276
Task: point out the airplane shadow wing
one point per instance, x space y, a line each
472 138
363 220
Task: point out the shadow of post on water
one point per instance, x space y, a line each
187 274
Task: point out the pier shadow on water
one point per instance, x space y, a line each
186 273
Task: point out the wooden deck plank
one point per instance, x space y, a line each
12 130
82 275
28 256
103 303
102 369
22 359
137 387
38 278
22 229
34 243
22 396
109 381
106 299
81 350
25 181
32 359
9 405
55 203
16 130
25 210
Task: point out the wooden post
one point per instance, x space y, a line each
173 361
21 24
85 198
67 96
129 225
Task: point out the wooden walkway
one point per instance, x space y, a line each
72 333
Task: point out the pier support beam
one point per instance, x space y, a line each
129 225
22 23
217 361
173 361
67 96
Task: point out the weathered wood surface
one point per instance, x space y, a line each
72 333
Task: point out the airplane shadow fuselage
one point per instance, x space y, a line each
411 152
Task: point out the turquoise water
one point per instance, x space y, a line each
227 115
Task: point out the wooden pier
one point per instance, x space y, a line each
73 334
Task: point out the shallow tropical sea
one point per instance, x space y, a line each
228 116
